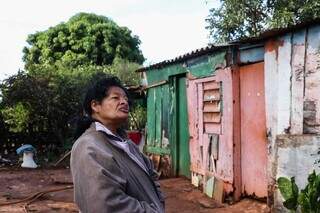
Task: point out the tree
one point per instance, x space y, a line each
238 19
42 109
86 39
41 104
286 13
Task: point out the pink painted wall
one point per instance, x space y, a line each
253 130
197 91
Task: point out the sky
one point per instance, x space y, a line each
166 28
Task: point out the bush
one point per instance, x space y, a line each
308 199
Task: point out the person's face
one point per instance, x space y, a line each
113 109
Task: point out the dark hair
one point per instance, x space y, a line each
97 91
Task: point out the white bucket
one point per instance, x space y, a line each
28 161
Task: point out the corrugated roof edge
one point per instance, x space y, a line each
277 32
210 48
197 52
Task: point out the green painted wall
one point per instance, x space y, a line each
151 119
158 119
207 65
167 109
182 129
199 67
157 75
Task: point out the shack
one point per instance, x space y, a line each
235 117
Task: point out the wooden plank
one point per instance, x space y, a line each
236 133
215 146
192 100
157 150
211 106
297 83
212 110
218 193
211 85
173 125
224 166
213 128
251 55
206 157
195 179
224 169
209 186
165 116
158 115
210 117
156 84
151 119
182 126
200 112
211 95
284 83
197 169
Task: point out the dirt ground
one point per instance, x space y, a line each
181 196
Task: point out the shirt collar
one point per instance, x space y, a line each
101 127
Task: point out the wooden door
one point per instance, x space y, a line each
210 109
178 128
253 131
182 129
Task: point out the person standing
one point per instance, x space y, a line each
109 172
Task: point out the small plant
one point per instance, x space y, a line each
138 118
308 199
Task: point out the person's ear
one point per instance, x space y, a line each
95 106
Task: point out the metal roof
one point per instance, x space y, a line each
211 48
195 53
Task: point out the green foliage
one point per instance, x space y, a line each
52 102
308 199
237 19
137 118
86 39
16 117
41 105
125 71
286 13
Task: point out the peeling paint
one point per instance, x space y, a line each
208 66
273 44
292 103
296 155
211 148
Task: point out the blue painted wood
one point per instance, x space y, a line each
252 55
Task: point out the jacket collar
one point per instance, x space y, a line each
100 127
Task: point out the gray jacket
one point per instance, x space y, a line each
106 179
